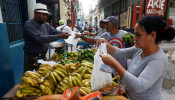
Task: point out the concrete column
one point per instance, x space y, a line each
1 21
31 5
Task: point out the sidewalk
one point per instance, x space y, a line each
169 79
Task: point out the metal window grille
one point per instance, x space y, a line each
13 17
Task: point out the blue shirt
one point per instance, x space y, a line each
37 37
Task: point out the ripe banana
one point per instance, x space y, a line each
38 91
79 76
58 90
24 86
46 83
53 78
87 76
33 94
25 94
85 80
50 92
33 76
83 92
77 81
83 71
64 85
87 84
74 81
43 89
57 76
70 81
80 69
65 81
62 70
86 89
60 73
19 94
29 80
59 66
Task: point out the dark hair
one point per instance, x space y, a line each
102 22
69 21
154 23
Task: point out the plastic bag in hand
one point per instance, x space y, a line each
99 79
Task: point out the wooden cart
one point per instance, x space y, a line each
11 95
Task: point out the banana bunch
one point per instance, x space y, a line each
26 90
86 54
55 80
44 69
128 38
72 55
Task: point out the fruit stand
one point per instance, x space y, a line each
73 71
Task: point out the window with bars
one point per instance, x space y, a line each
12 13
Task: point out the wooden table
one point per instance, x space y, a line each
11 95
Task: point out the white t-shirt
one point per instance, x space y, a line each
75 29
66 29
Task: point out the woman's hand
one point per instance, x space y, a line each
107 59
101 40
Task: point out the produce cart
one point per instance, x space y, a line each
75 71
11 95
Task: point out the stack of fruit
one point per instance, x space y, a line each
55 80
72 55
86 54
57 57
128 38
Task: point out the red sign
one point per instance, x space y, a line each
155 7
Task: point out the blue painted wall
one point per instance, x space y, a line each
6 70
17 57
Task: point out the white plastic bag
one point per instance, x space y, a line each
99 79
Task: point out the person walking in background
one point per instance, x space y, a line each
66 28
100 31
37 36
143 79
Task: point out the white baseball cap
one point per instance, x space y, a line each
42 8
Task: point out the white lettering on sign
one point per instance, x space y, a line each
156 4
155 7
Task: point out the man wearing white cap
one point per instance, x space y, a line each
37 36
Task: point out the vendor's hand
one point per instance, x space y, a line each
87 33
101 40
107 59
64 35
78 36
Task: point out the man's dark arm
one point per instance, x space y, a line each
87 39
